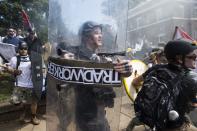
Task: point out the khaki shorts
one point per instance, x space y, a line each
22 95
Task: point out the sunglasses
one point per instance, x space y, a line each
23 49
193 57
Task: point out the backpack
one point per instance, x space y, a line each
157 97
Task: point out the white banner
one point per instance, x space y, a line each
7 50
84 75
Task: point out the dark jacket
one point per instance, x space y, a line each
11 40
35 45
184 93
90 100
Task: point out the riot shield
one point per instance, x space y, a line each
37 73
84 92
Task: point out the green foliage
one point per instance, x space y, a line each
10 15
37 10
6 86
38 14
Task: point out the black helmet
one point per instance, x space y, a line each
178 47
88 27
22 45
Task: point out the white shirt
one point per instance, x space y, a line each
25 78
1 62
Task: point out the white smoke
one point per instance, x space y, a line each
76 12
108 20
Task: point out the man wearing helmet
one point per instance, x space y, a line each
182 54
92 35
92 100
90 111
20 67
181 59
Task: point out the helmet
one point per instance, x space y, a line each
88 26
22 45
178 47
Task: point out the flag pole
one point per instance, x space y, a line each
176 28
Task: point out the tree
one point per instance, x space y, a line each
9 16
37 10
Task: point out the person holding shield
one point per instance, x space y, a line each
91 101
23 93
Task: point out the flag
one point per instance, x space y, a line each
26 21
180 34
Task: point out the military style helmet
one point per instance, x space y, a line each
178 47
87 27
22 45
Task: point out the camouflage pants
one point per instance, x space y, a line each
22 95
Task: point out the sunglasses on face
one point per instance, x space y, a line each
23 49
192 57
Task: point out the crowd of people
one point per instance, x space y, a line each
171 69
13 37
177 58
91 101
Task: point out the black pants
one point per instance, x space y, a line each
90 113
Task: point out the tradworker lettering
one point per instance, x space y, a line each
83 75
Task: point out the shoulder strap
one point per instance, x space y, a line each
18 60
